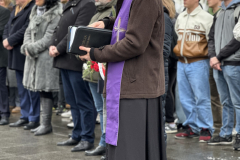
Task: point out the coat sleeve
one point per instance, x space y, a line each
35 48
211 41
167 36
84 16
138 35
4 16
27 40
18 36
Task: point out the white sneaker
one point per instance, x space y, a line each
70 118
70 125
170 129
67 114
234 132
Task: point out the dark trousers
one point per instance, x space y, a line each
77 94
4 104
170 98
29 101
61 97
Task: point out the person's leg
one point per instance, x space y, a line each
12 97
179 109
25 102
198 76
16 95
84 103
34 112
232 76
70 98
4 103
228 108
61 98
46 114
187 97
215 103
98 100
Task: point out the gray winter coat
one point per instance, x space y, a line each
39 74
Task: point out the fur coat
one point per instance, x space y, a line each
39 74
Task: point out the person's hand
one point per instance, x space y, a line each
53 52
98 24
26 52
6 45
9 48
217 66
87 56
214 61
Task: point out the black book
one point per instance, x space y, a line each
87 37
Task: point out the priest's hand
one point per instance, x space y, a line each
6 45
53 52
98 24
87 56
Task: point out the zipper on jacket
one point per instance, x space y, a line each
222 29
184 35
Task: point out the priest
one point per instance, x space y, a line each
134 80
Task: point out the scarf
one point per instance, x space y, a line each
41 10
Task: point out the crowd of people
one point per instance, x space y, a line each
167 72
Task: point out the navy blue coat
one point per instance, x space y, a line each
14 32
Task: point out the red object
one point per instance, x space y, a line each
187 134
94 66
205 135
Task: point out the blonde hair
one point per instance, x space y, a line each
18 8
169 4
7 3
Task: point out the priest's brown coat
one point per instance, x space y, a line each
141 49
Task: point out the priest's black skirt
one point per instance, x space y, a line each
141 130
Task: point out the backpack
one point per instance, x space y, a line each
236 13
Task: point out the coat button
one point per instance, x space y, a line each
56 40
57 26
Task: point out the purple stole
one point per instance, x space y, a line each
114 77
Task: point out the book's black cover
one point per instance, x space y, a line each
88 37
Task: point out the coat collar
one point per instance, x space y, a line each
71 3
194 12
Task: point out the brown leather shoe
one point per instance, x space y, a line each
16 110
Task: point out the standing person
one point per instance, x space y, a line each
14 101
215 100
224 52
169 14
76 91
134 81
104 9
193 71
39 75
4 103
13 40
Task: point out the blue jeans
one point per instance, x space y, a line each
98 100
77 94
228 85
29 101
194 93
179 109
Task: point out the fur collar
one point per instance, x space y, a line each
49 14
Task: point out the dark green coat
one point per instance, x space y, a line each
4 16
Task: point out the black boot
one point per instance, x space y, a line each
19 123
46 117
4 120
100 150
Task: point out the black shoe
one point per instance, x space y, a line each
19 123
60 110
100 150
69 142
220 141
4 121
236 145
103 157
31 125
83 146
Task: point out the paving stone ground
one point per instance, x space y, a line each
18 144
